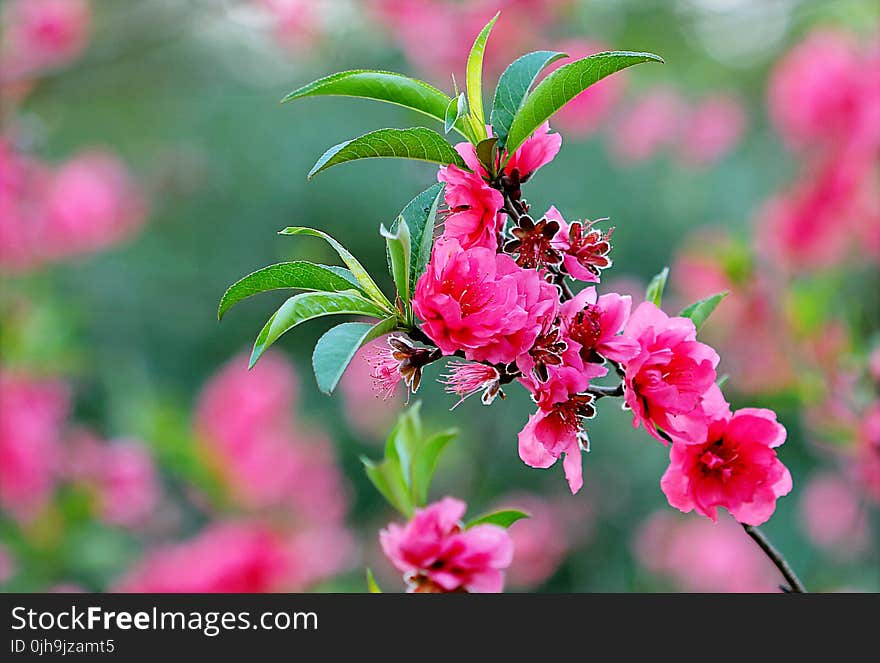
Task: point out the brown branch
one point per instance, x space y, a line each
778 560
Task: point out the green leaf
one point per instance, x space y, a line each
416 143
380 86
307 306
654 292
699 311
455 111
424 465
388 480
486 155
400 254
475 79
366 282
513 86
563 85
420 215
504 518
301 275
336 348
372 585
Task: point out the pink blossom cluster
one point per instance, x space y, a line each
700 133
39 450
273 466
824 101
39 35
697 556
495 293
51 213
436 553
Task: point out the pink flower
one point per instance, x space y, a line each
711 130
867 460
385 370
670 384
23 182
226 557
595 324
41 34
128 483
701 556
32 417
585 249
832 516
824 93
482 303
735 467
537 150
556 431
473 218
466 379
651 123
814 224
91 203
583 114
436 555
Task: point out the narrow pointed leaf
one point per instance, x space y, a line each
381 86
699 311
366 282
420 215
654 291
307 306
457 109
513 86
386 477
300 275
399 246
334 350
417 143
486 154
425 463
504 518
372 585
475 79
563 85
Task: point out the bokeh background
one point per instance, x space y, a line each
145 164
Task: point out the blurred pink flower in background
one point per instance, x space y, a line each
297 24
867 462
436 555
366 411
32 418
583 114
815 223
92 202
711 129
225 557
42 34
121 474
650 123
748 326
245 422
824 93
832 516
451 27
697 555
540 541
84 205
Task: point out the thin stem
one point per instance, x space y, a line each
600 392
776 557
